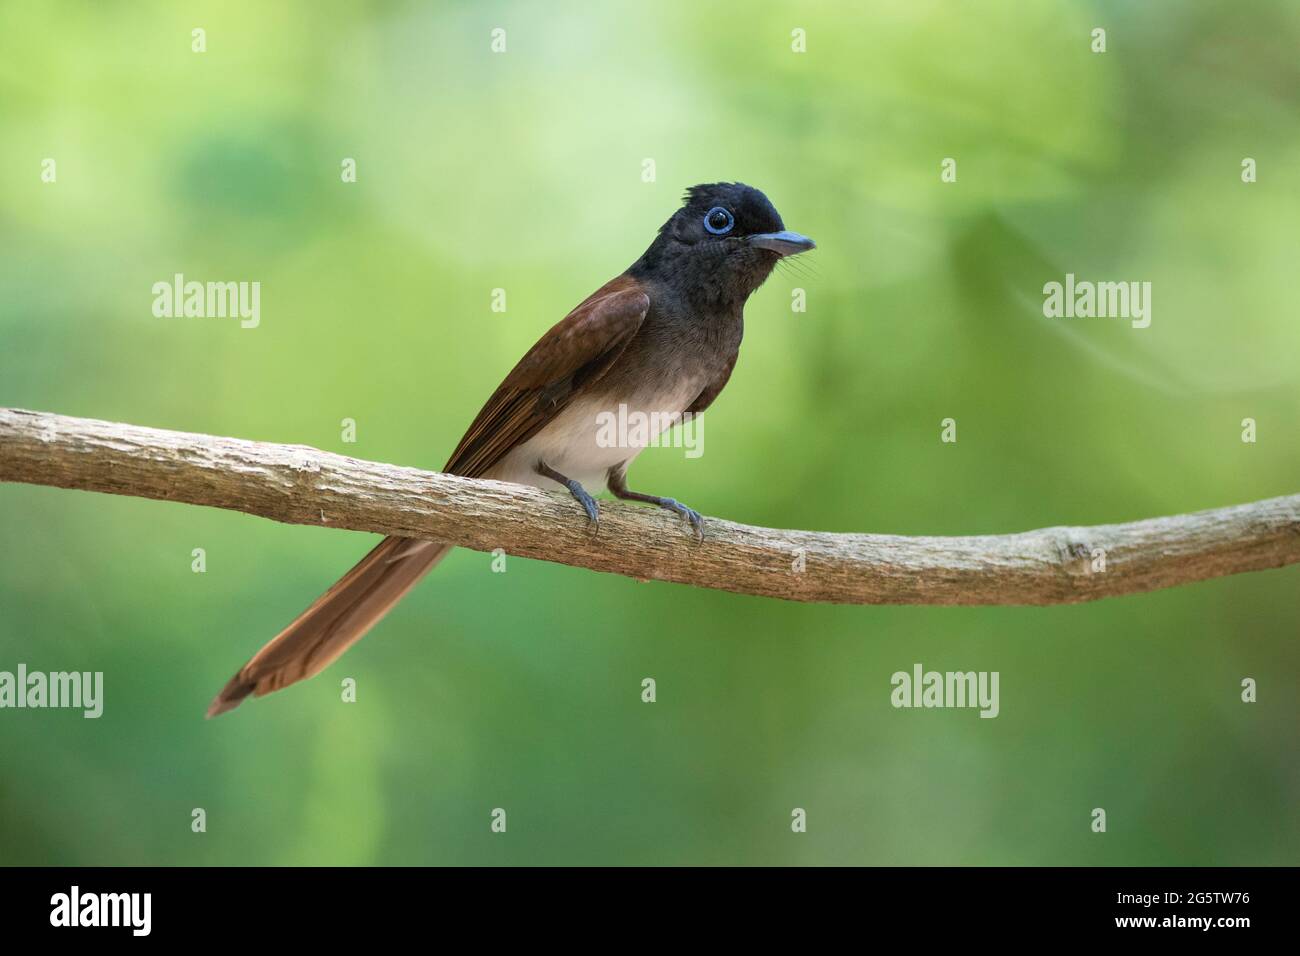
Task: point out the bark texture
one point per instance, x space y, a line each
302 485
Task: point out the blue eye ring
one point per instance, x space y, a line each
723 229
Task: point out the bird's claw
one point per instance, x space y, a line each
583 498
588 505
690 514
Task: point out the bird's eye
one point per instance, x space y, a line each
718 221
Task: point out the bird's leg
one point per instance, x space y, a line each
618 488
575 488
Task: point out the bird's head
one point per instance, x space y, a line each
721 244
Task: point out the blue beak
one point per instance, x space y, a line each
783 243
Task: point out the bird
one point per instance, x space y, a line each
662 338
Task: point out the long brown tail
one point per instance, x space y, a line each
335 621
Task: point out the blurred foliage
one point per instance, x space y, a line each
522 170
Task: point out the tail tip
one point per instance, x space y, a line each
231 696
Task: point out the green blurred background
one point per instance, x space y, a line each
523 170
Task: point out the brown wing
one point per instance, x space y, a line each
573 354
706 397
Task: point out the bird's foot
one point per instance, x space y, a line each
690 514
588 503
575 488
676 507
618 487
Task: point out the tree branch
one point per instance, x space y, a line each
302 485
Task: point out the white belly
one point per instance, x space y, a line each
591 436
